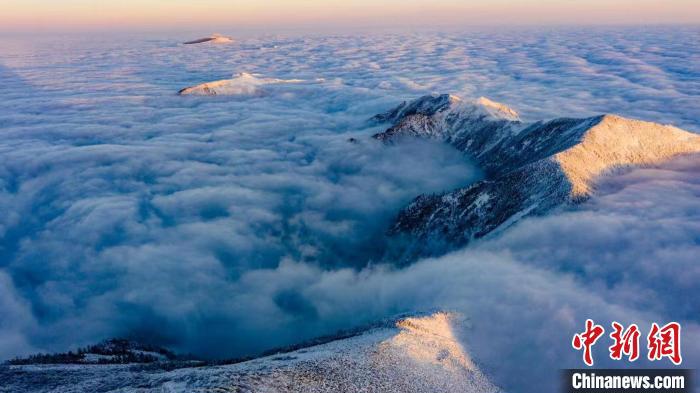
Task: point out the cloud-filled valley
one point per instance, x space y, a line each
225 226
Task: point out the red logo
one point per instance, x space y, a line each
586 339
662 342
626 343
665 342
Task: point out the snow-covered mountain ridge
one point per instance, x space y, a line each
240 84
412 354
214 39
530 167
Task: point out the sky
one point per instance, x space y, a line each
270 15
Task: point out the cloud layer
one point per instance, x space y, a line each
228 225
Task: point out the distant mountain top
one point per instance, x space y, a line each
530 167
447 104
112 351
214 39
240 84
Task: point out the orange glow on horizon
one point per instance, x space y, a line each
152 14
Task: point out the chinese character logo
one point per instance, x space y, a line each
626 343
662 342
665 342
586 339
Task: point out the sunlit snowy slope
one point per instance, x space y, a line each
419 354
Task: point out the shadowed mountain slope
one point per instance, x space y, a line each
530 168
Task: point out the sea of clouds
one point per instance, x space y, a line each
224 226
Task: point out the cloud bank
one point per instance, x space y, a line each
228 225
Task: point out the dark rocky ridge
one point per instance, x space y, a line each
530 168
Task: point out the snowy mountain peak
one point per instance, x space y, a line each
244 75
530 168
431 339
427 106
471 125
214 39
616 142
240 84
497 110
447 104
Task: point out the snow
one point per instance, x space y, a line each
241 84
96 357
414 354
156 355
617 142
481 200
530 171
497 110
213 39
